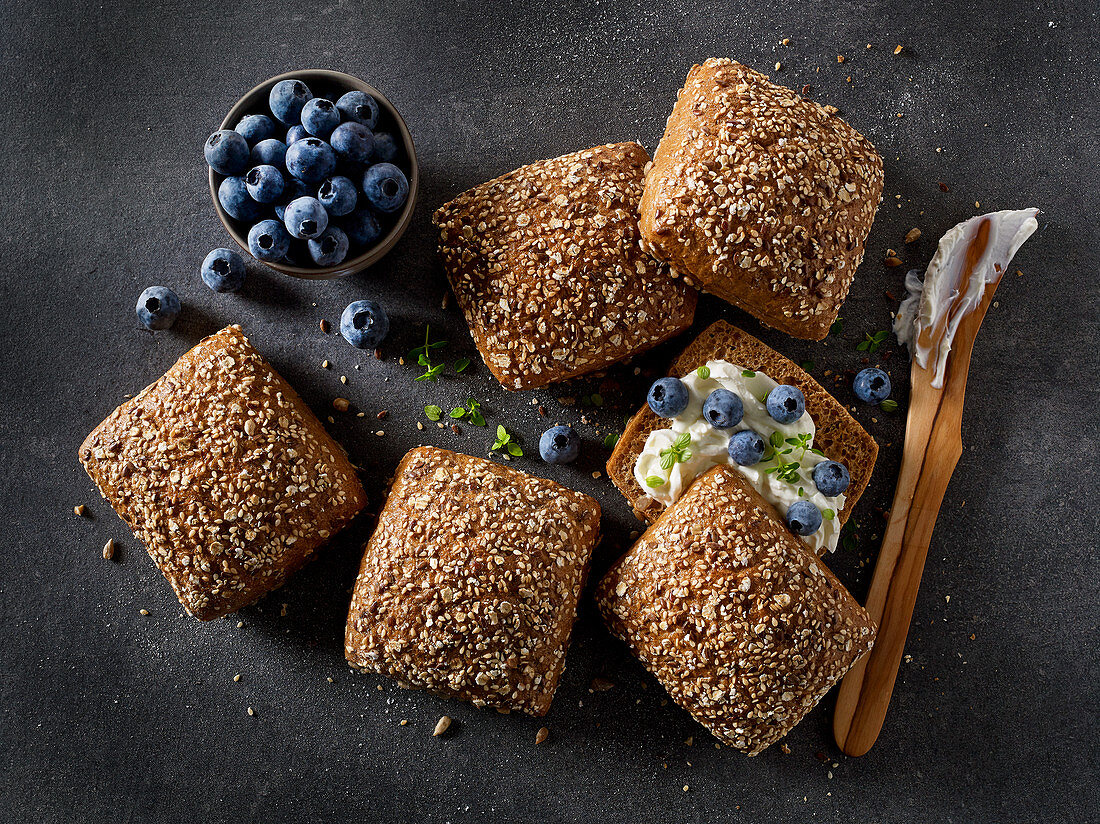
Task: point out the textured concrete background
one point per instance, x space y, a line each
109 715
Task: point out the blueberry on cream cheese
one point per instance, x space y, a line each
831 478
803 518
723 409
786 404
668 397
746 447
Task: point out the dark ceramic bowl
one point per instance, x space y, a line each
329 82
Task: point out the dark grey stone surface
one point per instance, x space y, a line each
106 715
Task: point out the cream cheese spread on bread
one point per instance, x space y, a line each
782 477
974 254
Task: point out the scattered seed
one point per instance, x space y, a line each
419 425
343 379
378 355
445 301
382 415
237 677
404 722
79 509
778 66
912 235
441 726
341 404
331 419
109 549
380 433
944 187
329 679
897 50
324 364
541 735
785 41
282 611
455 429
251 711
324 326
143 611
840 58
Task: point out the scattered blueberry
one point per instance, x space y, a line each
157 308
320 117
295 133
270 152
264 183
386 187
293 189
256 127
226 152
359 107
223 271
268 240
364 324
559 445
311 159
234 198
287 98
330 248
305 218
803 518
385 147
785 403
338 196
746 447
723 409
831 478
668 397
352 142
872 385
362 227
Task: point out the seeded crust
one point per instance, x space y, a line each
839 435
468 587
224 474
735 617
761 197
547 266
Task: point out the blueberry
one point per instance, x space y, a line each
359 107
305 218
831 478
786 403
295 133
723 409
803 518
268 240
270 152
364 324
320 117
286 99
293 189
338 196
234 198
386 187
352 142
226 152
872 385
330 248
385 147
559 445
264 183
362 227
311 159
223 271
668 397
158 307
746 447
256 127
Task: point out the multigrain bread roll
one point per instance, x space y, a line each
761 197
224 474
468 587
736 618
839 435
546 265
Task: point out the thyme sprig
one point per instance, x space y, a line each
677 453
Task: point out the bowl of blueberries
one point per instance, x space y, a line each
314 174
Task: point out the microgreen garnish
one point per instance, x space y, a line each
610 439
423 356
677 453
747 373
778 446
801 492
461 365
597 399
654 481
871 343
807 365
828 514
848 536
837 327
703 372
433 412
504 441
889 405
471 411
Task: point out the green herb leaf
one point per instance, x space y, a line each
461 365
654 481
459 412
776 439
667 460
682 440
514 449
476 419
871 343
502 434
433 412
597 399
828 514
837 327
807 365
610 439
889 405
703 372
801 492
747 373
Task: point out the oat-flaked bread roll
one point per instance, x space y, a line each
736 617
224 474
761 197
839 435
469 585
546 265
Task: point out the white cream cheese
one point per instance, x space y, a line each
709 447
973 255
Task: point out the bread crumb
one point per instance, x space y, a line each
778 66
897 50
251 711
441 726
404 722
341 404
78 509
237 677
343 379
785 41
912 235
324 364
380 433
143 611
840 58
541 735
